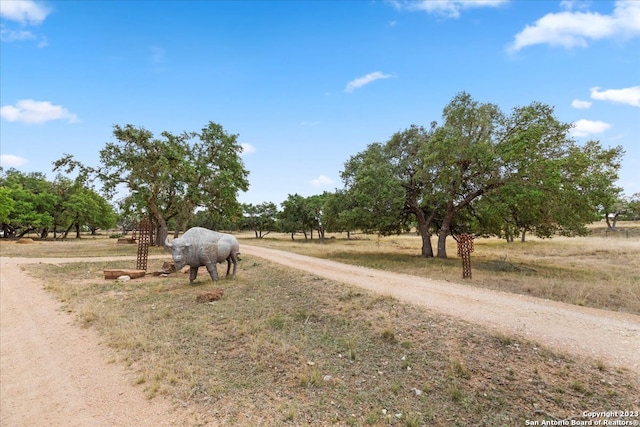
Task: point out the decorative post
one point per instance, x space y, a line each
134 229
143 244
152 232
465 247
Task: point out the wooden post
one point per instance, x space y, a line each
465 247
143 245
134 229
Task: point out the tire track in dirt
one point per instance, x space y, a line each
610 336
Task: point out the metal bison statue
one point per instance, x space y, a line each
200 246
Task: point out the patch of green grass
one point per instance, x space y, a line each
505 340
458 370
351 349
312 378
412 419
455 392
276 322
396 387
389 336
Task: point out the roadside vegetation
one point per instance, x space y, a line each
287 348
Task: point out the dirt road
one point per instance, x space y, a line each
54 373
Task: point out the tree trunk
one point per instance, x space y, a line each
24 232
163 231
445 230
452 210
161 235
66 232
182 225
442 241
423 230
77 226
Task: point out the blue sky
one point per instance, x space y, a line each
306 85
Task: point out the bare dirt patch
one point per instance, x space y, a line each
56 374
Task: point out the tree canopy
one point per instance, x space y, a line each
171 176
260 218
31 203
481 171
303 214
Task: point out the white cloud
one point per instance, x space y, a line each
11 161
7 35
30 111
588 127
567 4
574 4
365 80
629 95
576 28
23 11
321 181
581 105
247 149
448 8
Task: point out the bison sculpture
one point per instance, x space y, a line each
200 246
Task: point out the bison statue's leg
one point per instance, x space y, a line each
228 265
213 271
232 258
193 273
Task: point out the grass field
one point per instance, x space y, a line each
286 348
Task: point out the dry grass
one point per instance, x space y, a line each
286 348
87 246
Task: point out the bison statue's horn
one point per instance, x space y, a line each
167 243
